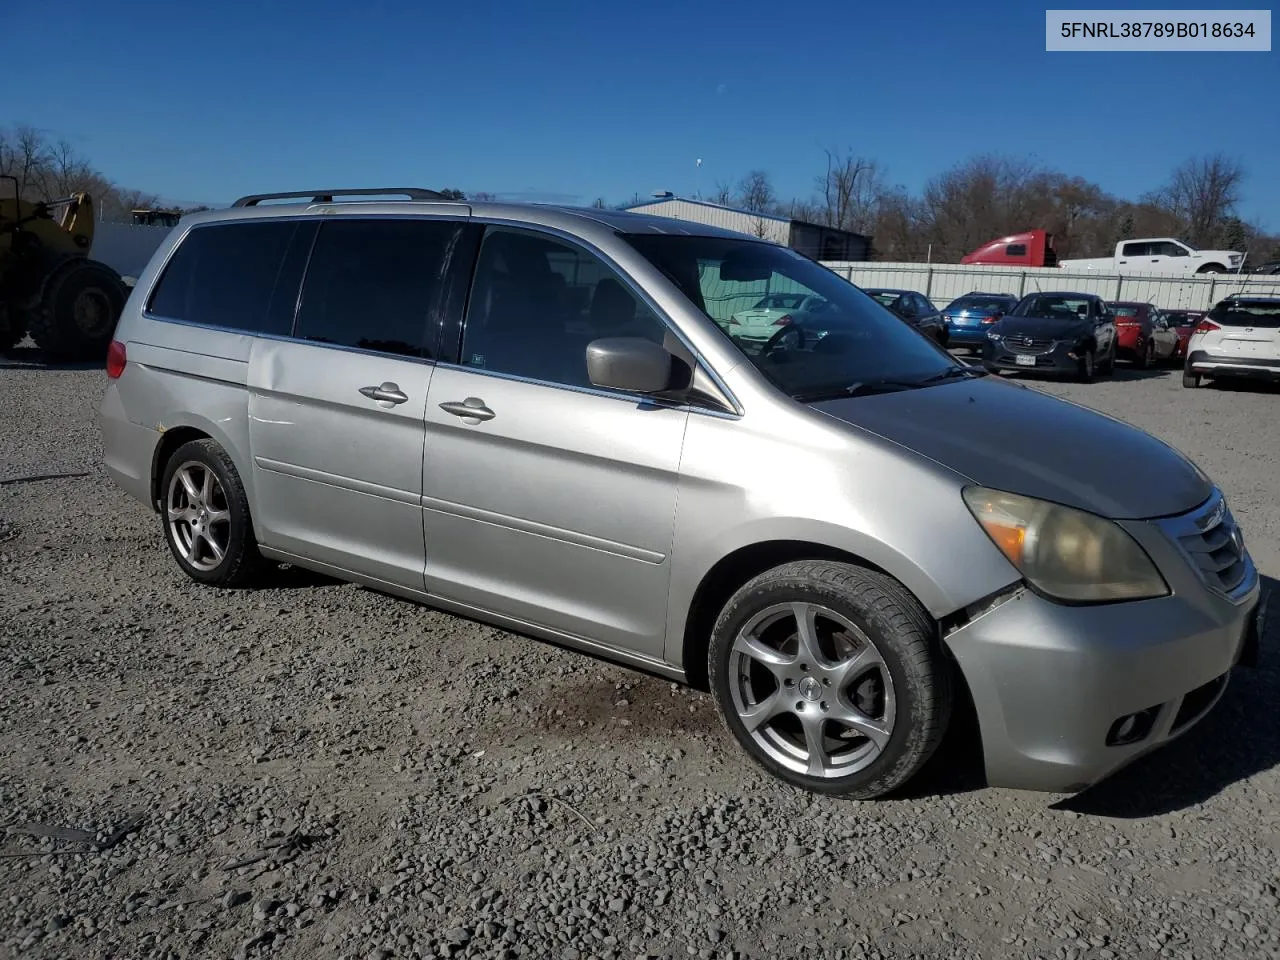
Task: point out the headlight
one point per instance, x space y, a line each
1065 553
992 335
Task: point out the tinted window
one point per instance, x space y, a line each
1135 249
1122 311
243 276
853 342
1259 314
1053 307
1016 250
536 303
372 284
980 303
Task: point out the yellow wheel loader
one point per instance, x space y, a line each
49 288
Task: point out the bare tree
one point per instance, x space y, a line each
850 192
722 195
756 193
1202 193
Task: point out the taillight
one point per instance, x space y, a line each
1206 326
988 319
783 320
115 359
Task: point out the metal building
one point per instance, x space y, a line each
811 239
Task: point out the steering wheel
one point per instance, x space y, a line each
775 342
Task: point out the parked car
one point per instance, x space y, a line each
526 415
1055 333
1240 337
968 317
915 308
1183 322
1160 255
772 311
1143 335
1270 267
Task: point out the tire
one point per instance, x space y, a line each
1108 367
78 311
1212 268
1190 380
1088 371
221 512
903 693
1146 356
12 328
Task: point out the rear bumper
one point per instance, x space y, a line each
1259 368
128 448
1053 684
967 336
1128 339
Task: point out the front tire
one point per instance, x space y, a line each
829 676
1088 371
205 515
78 311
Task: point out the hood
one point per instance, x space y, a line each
1040 328
1013 438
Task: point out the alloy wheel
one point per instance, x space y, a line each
812 690
198 516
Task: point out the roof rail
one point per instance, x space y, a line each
326 196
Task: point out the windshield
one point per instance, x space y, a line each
846 342
1049 306
980 303
1259 314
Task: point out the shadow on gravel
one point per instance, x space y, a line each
288 577
32 358
1242 385
1236 741
1126 371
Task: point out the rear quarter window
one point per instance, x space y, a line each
239 276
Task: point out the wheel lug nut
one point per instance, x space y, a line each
799 704
826 682
825 708
804 667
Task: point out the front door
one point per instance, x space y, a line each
336 412
546 499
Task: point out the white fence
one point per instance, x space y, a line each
942 283
126 247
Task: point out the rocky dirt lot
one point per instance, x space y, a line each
315 770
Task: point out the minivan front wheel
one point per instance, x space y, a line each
828 675
205 513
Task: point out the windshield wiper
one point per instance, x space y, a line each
862 389
953 372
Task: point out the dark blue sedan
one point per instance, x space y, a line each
968 318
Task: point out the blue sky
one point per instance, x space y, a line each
570 101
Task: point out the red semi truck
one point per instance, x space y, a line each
1031 249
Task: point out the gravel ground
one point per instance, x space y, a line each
315 770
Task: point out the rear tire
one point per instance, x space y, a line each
12 328
1190 380
79 308
206 521
1108 367
1146 356
854 702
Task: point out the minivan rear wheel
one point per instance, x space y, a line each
828 675
205 513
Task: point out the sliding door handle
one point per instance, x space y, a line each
385 394
472 408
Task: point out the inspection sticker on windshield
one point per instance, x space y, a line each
1233 31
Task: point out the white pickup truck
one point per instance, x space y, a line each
1160 255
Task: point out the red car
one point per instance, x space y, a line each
1143 335
1183 322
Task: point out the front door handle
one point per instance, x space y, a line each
387 395
472 408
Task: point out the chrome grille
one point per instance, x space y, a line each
1213 542
1028 344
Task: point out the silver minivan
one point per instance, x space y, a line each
534 416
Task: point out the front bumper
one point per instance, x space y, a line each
1004 356
1256 368
1051 683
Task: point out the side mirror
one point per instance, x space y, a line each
632 364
